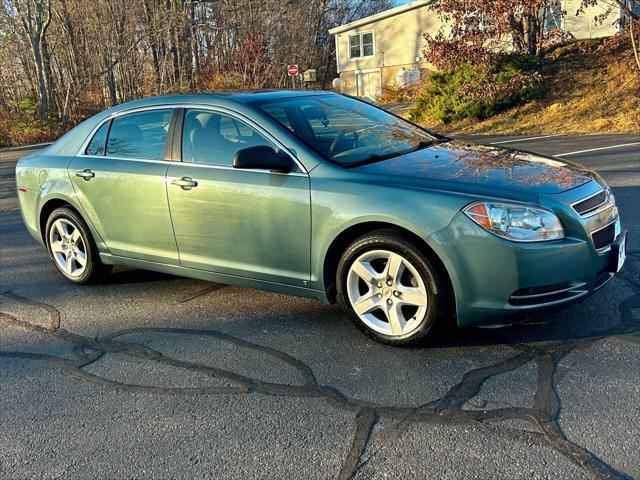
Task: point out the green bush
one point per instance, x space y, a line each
469 91
29 105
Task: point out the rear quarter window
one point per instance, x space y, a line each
99 141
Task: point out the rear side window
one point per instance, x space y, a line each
139 135
99 140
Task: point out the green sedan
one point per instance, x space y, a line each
323 196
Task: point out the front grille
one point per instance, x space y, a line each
591 204
604 236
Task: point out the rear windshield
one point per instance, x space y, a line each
344 130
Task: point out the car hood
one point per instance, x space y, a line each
483 169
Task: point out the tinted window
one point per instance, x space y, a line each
348 131
96 145
278 113
214 138
139 135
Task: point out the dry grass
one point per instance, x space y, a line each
590 87
395 94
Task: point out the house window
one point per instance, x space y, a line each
361 45
553 17
634 6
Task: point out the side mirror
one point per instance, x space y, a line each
262 157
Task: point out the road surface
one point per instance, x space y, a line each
153 376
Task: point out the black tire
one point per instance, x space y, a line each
94 270
437 291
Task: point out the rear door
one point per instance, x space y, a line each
247 223
119 179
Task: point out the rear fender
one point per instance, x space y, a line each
54 187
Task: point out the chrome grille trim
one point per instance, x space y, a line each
546 294
602 280
593 204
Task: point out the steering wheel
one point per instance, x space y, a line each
358 134
341 136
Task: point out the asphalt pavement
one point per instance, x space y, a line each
154 376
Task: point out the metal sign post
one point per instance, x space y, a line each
292 71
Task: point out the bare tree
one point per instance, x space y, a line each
35 18
78 56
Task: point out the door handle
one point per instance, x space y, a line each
87 174
186 183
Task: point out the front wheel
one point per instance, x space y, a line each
72 248
390 289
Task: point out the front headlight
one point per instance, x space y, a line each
519 223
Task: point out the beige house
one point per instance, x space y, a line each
386 49
583 25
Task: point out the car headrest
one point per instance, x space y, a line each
131 133
205 140
213 123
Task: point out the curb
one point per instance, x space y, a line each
25 147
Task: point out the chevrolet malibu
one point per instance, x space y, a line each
323 196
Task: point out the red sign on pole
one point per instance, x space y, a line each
292 70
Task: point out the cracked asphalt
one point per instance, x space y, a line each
154 376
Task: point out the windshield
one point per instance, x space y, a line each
346 131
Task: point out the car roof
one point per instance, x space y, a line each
220 98
69 143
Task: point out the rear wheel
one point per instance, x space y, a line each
71 247
390 289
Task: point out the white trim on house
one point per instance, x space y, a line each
379 16
337 40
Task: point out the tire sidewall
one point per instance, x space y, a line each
420 262
91 250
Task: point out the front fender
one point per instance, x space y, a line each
338 205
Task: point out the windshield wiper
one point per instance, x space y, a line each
379 158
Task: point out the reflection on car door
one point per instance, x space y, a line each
245 223
119 180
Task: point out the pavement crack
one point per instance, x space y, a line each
543 417
472 381
548 404
365 423
54 313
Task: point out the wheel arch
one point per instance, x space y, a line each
46 211
54 203
342 241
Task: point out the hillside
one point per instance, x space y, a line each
589 87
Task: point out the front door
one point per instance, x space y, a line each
253 224
120 182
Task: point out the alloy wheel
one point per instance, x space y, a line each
68 247
387 292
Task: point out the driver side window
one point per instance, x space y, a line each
214 138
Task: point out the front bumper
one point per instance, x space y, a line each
495 278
